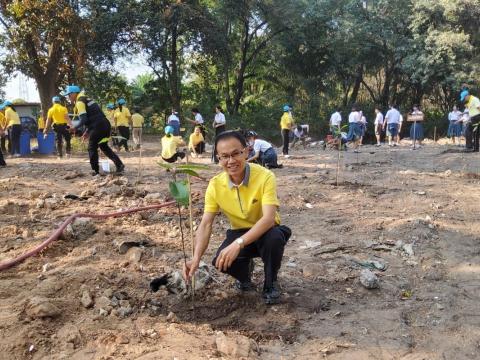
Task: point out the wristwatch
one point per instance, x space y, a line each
240 242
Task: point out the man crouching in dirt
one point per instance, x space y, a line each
247 195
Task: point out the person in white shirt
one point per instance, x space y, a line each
335 122
263 151
219 126
363 126
454 125
174 121
416 130
392 123
378 125
299 135
354 128
399 130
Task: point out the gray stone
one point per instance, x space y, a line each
86 299
103 302
79 229
368 279
134 255
239 346
38 308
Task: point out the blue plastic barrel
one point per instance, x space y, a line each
25 143
46 146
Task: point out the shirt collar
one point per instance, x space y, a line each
245 180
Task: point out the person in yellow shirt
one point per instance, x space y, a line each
110 114
98 127
472 132
137 127
286 124
3 131
58 115
14 128
41 122
170 144
196 141
247 195
123 119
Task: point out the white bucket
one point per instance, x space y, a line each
106 166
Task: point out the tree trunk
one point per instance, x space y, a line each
175 94
47 89
356 86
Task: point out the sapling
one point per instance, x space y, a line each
337 134
182 193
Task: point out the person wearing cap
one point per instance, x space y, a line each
286 123
196 141
110 114
263 152
137 128
3 131
123 119
98 127
472 131
14 128
58 115
170 144
247 195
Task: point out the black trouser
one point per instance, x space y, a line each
61 132
114 139
100 132
202 144
218 130
178 154
269 247
286 139
124 132
472 137
2 160
14 134
3 140
199 147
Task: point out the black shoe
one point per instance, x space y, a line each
120 169
245 286
271 295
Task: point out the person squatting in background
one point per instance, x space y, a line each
286 123
263 152
137 128
455 125
199 122
170 144
416 129
378 125
14 128
123 118
219 123
98 127
299 135
58 115
354 128
196 142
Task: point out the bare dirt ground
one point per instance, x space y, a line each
417 212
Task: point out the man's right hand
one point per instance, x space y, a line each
189 269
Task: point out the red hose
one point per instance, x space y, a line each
70 219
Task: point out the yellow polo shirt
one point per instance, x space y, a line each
12 117
242 204
286 121
57 113
3 121
122 117
170 145
473 104
41 123
195 139
137 120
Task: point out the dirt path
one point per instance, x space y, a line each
417 212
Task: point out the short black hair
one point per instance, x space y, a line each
231 134
195 110
219 108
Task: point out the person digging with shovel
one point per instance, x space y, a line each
247 195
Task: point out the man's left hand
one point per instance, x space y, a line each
227 256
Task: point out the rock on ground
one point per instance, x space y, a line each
239 346
38 308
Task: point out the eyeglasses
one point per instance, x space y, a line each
236 155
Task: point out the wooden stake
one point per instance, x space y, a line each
435 134
190 209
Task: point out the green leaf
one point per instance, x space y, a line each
187 171
119 137
193 166
179 191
